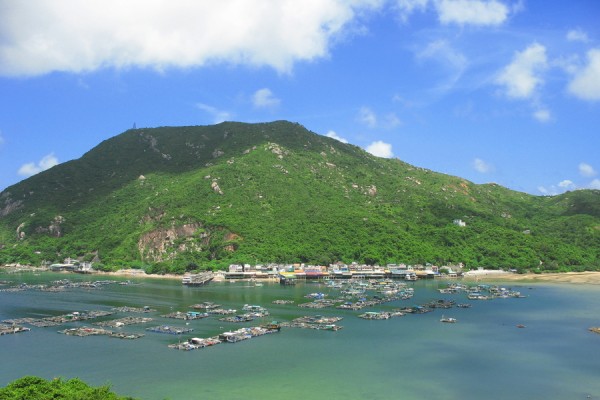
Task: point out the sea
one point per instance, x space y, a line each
484 355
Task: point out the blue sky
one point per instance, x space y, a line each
492 91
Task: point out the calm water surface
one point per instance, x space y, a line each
483 356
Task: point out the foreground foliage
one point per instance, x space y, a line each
177 199
35 388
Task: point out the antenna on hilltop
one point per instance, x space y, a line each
134 127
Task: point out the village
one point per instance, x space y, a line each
289 273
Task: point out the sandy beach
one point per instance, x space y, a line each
590 278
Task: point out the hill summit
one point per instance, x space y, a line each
174 198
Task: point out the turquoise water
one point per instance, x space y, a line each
483 356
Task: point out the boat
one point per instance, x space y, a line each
448 319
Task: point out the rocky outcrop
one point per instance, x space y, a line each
165 243
55 227
215 186
8 205
161 244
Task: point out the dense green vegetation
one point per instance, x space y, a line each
175 199
34 388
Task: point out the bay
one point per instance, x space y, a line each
483 356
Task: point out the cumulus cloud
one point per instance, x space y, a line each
577 35
482 166
335 136
47 162
471 12
380 149
586 80
217 115
595 184
522 76
586 170
41 36
264 98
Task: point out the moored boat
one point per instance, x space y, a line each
448 320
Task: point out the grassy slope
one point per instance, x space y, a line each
289 195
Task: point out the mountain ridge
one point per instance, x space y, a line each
173 197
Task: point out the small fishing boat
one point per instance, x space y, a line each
448 320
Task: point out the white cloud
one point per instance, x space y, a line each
522 76
460 12
380 149
217 115
543 190
441 50
586 82
407 7
367 117
471 12
542 115
577 35
264 98
41 36
567 185
391 120
482 166
586 170
595 184
453 61
47 162
335 136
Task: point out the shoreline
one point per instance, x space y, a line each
587 278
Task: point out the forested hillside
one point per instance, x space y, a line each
175 198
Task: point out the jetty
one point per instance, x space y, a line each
197 279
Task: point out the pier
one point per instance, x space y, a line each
197 279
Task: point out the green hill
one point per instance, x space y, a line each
172 198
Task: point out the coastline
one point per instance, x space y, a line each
587 278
